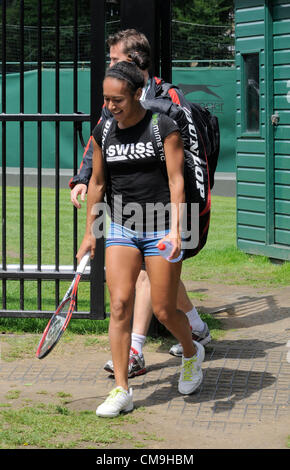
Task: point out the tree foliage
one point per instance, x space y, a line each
210 12
48 12
202 30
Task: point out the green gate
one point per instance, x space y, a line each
263 132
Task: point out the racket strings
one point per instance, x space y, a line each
60 320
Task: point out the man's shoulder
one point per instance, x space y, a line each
163 88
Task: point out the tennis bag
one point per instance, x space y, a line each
201 139
207 124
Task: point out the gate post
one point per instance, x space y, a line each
98 64
152 18
166 39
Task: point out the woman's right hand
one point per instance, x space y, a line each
88 244
175 241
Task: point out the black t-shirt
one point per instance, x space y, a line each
135 172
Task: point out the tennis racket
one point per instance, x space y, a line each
60 319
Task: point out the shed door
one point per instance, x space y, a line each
281 122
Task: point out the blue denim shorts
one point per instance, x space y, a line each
144 242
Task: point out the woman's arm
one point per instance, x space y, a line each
174 154
96 191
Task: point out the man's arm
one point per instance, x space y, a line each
79 183
85 171
96 192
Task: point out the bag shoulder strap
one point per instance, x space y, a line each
157 143
107 125
156 137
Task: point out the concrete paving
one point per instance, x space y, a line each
246 376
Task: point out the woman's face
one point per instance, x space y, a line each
119 100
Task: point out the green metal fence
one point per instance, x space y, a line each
212 87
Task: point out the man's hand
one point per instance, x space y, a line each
78 189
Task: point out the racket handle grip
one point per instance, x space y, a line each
84 261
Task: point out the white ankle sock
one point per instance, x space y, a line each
137 342
194 319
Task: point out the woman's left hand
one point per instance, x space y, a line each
175 241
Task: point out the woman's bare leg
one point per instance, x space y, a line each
164 280
122 268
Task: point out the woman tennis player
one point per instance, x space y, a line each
126 169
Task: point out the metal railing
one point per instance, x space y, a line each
55 272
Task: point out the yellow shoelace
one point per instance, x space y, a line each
187 369
113 393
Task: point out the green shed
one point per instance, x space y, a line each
262 30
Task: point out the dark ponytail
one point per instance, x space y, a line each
140 58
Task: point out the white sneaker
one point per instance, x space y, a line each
191 372
118 400
136 364
203 337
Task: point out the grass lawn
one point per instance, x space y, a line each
53 425
221 260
